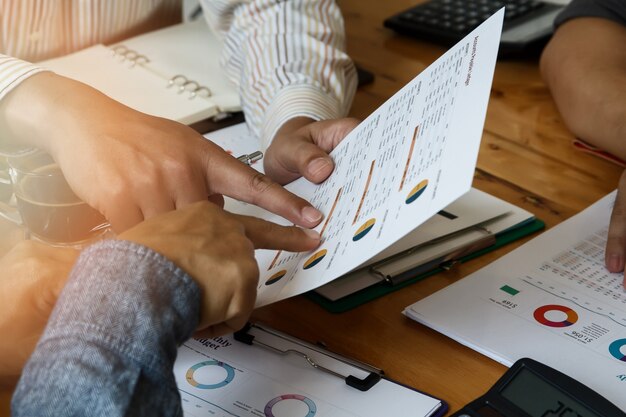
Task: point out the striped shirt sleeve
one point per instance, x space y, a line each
288 58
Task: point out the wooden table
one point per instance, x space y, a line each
526 158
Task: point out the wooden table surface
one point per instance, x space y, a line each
526 158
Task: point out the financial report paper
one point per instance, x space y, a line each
552 300
409 159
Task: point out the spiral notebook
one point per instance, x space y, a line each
172 73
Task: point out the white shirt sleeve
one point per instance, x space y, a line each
288 58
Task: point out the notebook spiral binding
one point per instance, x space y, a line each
180 81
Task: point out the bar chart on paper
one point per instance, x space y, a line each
552 299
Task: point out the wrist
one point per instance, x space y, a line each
26 111
292 125
45 109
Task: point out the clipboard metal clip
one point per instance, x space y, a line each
405 265
300 347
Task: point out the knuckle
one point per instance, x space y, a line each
259 183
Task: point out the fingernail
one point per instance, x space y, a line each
311 214
319 165
615 262
312 234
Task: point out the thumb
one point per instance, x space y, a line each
290 157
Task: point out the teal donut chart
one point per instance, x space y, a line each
312 407
614 349
230 375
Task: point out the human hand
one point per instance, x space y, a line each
32 277
616 241
216 248
131 166
301 148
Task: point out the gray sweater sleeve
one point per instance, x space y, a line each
614 10
111 342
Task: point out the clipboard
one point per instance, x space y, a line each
259 371
390 283
320 359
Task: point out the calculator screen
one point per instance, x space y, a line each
539 398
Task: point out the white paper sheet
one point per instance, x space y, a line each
225 378
552 300
409 159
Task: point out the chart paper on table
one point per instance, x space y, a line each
552 300
409 159
226 378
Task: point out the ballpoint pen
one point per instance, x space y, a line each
249 159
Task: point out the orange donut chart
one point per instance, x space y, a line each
540 315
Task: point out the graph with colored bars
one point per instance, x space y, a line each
376 164
429 136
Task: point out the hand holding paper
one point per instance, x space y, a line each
301 148
405 162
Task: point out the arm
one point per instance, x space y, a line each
288 57
111 342
116 327
585 67
32 276
129 165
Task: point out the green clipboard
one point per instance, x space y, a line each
378 290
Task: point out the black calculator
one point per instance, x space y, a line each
532 389
528 24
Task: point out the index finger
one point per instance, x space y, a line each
616 240
268 235
228 176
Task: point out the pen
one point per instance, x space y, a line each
249 159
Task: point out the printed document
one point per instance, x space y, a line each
409 159
227 378
552 300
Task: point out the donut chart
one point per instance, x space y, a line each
315 259
614 349
312 407
276 277
364 229
230 375
417 191
540 315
